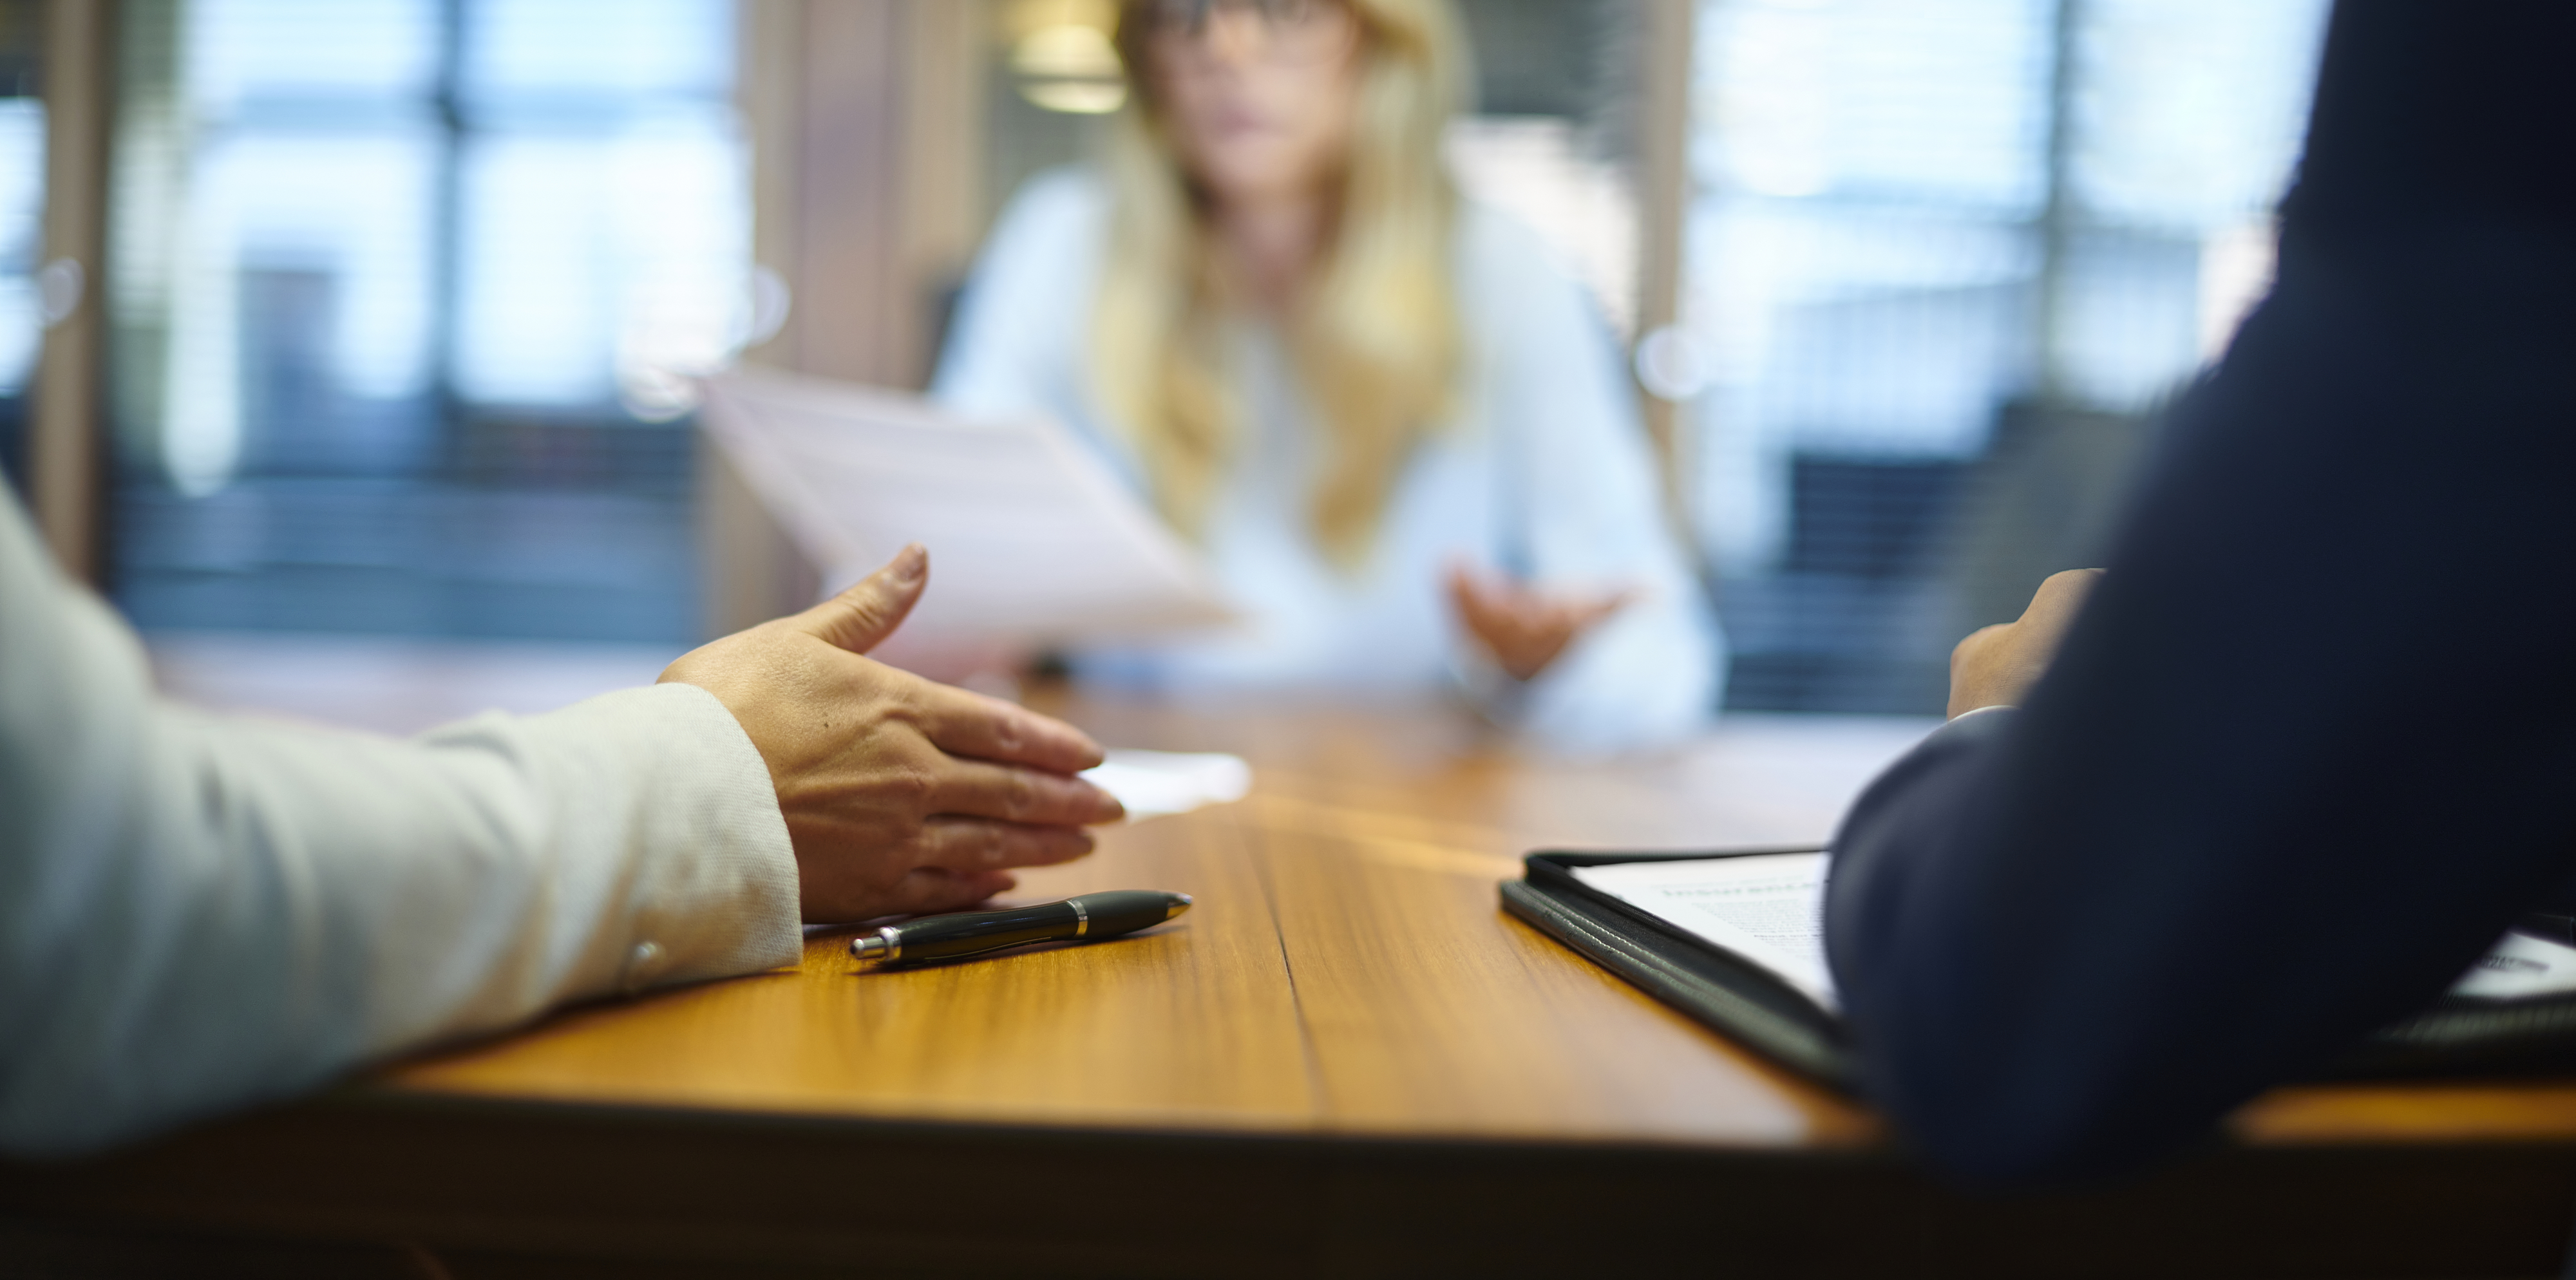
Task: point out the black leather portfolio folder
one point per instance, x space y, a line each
1746 1002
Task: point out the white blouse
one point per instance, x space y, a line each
1545 474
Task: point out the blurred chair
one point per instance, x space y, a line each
2042 500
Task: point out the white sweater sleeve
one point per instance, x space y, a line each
1018 342
1585 514
200 912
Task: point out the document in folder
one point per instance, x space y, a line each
1769 909
1736 940
1031 537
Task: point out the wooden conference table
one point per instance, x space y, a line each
1346 1061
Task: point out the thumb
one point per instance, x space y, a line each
1587 612
860 618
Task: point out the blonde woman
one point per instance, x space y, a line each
1397 429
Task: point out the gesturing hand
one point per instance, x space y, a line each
1996 666
900 795
1523 628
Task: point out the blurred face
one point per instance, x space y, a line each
1258 95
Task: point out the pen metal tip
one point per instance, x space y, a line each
1178 903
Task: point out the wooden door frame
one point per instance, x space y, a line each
66 440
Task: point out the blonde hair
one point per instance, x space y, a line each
1374 336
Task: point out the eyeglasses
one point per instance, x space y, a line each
1295 30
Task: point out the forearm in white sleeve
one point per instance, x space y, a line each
200 912
1587 517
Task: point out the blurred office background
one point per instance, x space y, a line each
398 289
1944 262
22 201
396 300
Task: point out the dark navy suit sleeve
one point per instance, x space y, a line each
2312 743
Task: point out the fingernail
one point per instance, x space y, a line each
910 562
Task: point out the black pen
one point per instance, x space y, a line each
1093 915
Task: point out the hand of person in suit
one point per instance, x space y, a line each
1522 627
901 795
1996 666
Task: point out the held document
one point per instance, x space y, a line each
1031 537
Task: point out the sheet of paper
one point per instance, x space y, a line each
2520 966
1031 538
1766 907
1769 909
1153 784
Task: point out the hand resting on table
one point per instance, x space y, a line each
901 795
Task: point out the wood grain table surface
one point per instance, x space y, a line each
1345 1059
1346 969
